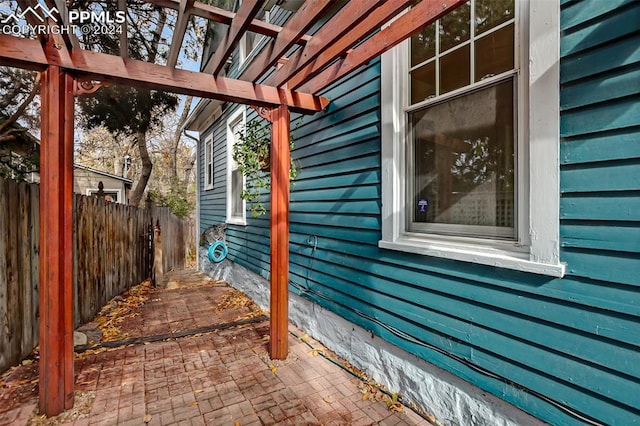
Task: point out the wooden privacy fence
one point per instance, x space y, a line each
113 246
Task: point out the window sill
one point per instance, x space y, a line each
474 254
236 221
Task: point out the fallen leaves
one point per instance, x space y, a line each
236 299
83 402
233 299
316 352
375 392
120 309
393 404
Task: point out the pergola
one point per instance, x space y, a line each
348 39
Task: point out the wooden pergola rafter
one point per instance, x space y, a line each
341 43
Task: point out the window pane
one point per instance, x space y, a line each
494 53
463 162
423 45
236 189
208 163
491 13
454 27
455 70
423 82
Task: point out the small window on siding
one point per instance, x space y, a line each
208 163
236 208
251 40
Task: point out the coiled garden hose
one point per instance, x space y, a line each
218 251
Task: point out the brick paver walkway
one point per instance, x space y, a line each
220 377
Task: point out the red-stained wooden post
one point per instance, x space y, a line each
280 163
56 242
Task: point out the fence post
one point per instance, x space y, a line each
158 267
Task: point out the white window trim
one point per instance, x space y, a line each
92 192
238 114
244 51
539 94
208 145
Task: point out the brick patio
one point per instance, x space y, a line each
218 377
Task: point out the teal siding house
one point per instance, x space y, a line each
465 225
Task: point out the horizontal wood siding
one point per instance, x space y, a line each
561 349
600 149
213 201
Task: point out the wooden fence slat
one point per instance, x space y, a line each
5 352
15 309
110 243
34 207
24 258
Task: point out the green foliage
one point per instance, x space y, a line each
252 155
176 199
126 110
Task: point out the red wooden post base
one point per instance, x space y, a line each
56 243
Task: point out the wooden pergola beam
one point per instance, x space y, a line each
22 53
248 10
184 11
347 18
223 16
70 40
423 13
124 41
30 17
291 32
90 65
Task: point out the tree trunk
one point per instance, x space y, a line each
147 166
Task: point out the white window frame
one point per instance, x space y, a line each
93 191
239 114
208 161
244 48
537 249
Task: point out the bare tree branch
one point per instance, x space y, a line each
23 106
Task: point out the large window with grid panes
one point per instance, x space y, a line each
457 157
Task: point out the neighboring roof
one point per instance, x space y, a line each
21 133
100 172
26 137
